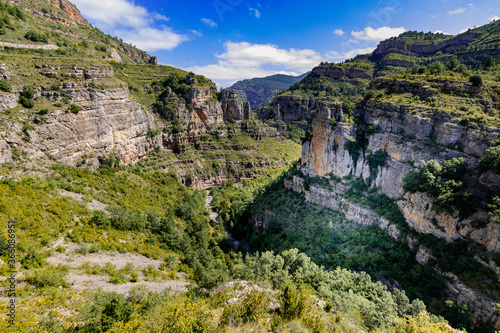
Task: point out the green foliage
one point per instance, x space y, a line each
73 108
47 278
491 160
5 85
445 183
494 209
27 103
376 160
100 219
459 316
294 303
4 246
476 79
249 308
104 310
28 92
36 37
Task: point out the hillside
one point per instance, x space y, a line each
260 91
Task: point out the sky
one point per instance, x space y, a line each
231 40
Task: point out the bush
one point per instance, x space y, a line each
27 103
491 160
73 108
445 183
28 92
249 308
100 219
104 310
294 303
36 37
4 246
5 86
47 278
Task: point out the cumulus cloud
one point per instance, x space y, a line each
339 32
152 39
243 60
134 23
441 32
494 18
341 56
209 22
255 12
457 11
378 34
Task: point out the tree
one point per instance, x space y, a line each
476 79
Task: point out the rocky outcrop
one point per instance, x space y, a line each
401 47
407 137
109 123
71 10
290 109
336 72
234 107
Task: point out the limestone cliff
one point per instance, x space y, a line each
408 135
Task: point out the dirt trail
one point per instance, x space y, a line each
80 281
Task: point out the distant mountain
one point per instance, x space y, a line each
260 91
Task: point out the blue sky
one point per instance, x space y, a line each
230 40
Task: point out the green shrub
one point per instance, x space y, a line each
476 79
104 310
294 303
73 108
47 278
100 219
27 103
5 85
445 183
4 246
36 37
28 92
491 160
33 259
249 308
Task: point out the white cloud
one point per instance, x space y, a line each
244 60
460 10
441 32
341 56
209 22
494 18
151 39
339 32
254 12
113 13
379 34
133 23
464 30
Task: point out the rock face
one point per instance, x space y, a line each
408 136
109 122
340 73
71 10
401 47
233 107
